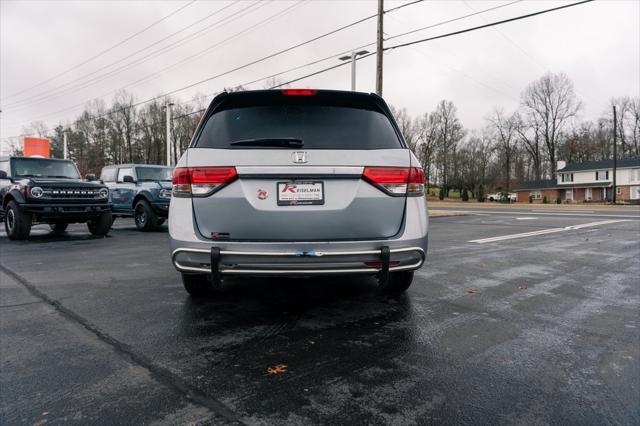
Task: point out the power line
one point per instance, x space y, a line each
278 52
398 46
55 92
97 55
78 84
453 20
149 77
491 24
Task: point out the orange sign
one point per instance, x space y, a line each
36 147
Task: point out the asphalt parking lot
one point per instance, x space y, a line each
540 327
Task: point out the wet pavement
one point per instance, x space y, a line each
539 329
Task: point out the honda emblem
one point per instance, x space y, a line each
299 157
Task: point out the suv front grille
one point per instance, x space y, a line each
70 193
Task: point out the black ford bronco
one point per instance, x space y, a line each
42 190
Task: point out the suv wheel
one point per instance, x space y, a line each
146 220
197 285
16 222
58 227
398 282
100 226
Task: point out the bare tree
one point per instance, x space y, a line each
449 133
552 102
407 127
528 134
504 130
427 135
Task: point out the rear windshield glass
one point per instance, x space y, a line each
319 127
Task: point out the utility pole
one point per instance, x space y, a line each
379 48
168 119
615 155
352 57
65 147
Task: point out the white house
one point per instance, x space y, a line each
590 181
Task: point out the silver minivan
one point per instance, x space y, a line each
297 182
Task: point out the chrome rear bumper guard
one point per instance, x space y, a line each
216 270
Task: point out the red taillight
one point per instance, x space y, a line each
181 182
201 181
396 181
299 92
416 181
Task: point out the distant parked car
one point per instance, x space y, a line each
503 196
141 191
43 190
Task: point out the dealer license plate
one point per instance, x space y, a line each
300 193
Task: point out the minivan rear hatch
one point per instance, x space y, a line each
278 166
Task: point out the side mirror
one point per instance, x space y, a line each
128 179
90 177
3 174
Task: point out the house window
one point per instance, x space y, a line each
567 177
618 190
536 195
634 192
634 175
602 175
568 195
588 195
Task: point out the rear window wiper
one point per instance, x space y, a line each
277 142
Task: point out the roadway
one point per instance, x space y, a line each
538 328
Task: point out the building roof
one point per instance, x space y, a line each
536 184
552 184
599 165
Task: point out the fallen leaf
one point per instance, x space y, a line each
471 291
523 287
277 369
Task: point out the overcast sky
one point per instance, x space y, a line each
597 44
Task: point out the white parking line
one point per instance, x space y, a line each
567 211
554 214
544 231
526 218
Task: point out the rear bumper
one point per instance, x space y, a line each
298 262
67 212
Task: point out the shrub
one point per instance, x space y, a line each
545 200
441 194
465 195
558 200
530 199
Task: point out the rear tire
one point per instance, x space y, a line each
197 285
101 226
16 222
58 227
399 282
144 217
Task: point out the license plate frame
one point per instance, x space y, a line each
298 202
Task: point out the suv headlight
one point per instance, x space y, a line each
103 193
36 192
164 193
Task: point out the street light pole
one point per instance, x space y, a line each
168 119
65 147
352 57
